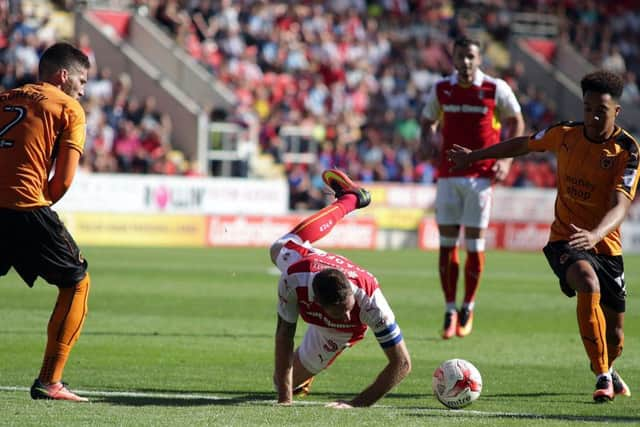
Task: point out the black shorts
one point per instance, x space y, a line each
609 269
36 243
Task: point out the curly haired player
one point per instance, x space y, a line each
598 170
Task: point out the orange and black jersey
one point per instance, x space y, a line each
588 174
35 121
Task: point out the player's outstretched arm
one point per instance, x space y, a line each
461 157
66 165
283 373
396 370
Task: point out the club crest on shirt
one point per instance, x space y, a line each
480 94
563 258
606 162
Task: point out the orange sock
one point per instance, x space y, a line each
593 327
64 329
472 272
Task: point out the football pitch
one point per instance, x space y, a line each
185 337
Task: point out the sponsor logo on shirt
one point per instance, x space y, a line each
606 162
629 177
465 108
540 135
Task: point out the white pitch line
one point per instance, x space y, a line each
104 393
213 398
250 402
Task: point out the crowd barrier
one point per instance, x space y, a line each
144 210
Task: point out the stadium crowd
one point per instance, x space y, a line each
355 82
124 133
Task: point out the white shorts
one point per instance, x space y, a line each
320 346
464 201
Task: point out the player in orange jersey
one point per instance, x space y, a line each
598 171
42 130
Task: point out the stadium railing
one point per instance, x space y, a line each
299 145
230 150
177 65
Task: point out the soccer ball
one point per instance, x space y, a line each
456 383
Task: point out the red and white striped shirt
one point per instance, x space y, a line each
470 116
299 264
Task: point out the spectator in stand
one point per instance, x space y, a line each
170 15
107 102
370 69
534 107
304 194
202 15
84 44
101 86
127 148
630 93
614 61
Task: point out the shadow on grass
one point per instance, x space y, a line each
517 416
502 396
158 397
145 334
575 398
186 401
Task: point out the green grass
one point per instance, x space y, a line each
185 337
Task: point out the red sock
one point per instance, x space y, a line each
449 265
472 271
321 223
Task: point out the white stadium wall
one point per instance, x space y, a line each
152 210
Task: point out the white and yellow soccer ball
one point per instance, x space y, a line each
456 383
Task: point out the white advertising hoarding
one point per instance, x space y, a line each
509 204
232 230
523 204
122 193
630 237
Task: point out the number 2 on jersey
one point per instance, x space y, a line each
20 113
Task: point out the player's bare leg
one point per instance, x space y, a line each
302 378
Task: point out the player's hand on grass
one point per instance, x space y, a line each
458 155
582 239
340 404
